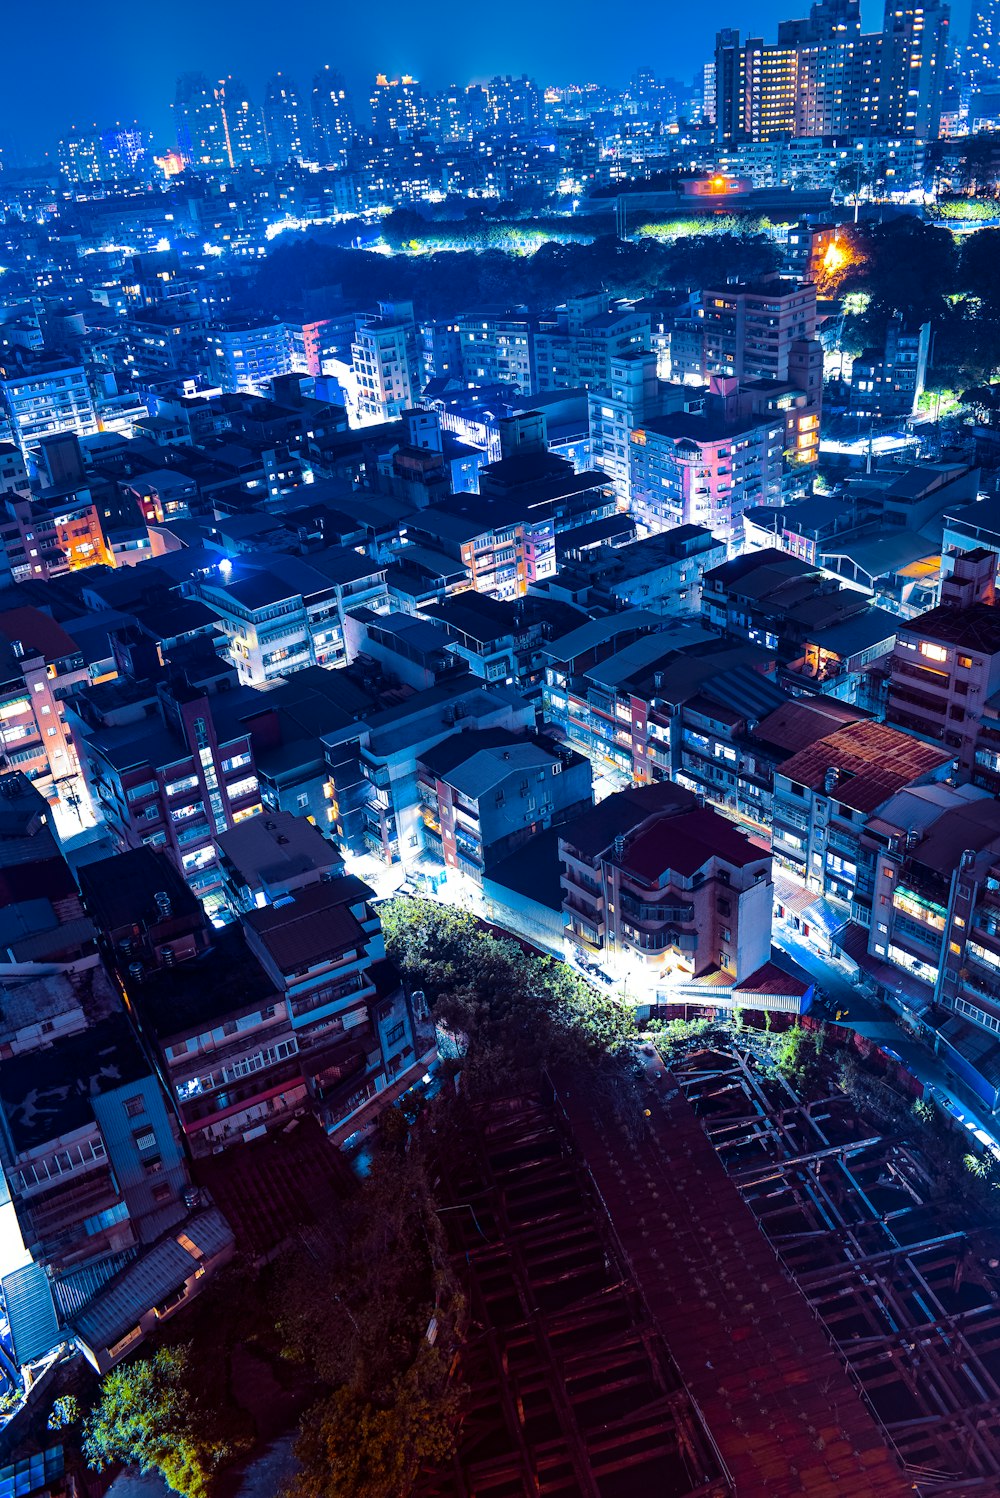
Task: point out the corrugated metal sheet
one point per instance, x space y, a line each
34 1327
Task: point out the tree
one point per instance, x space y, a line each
147 1418
354 1447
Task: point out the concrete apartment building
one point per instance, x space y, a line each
656 887
287 613
384 363
483 795
575 347
946 664
497 348
707 468
42 394
40 665
823 798
631 397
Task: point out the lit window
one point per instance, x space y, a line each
933 652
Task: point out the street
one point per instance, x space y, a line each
879 1024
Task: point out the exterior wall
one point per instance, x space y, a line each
38 405
937 691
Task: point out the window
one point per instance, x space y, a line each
933 652
395 1035
303 801
135 1105
965 661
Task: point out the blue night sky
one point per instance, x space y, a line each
75 61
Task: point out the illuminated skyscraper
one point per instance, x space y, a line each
399 109
912 68
244 131
981 62
825 77
201 128
513 105
283 122
80 156
332 121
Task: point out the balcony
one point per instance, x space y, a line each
643 910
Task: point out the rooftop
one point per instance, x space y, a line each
225 980
275 847
122 890
476 761
974 628
316 924
47 1093
684 843
595 830
873 762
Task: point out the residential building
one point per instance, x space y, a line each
946 664
247 354
40 666
498 348
94 1168
44 393
169 763
888 382
44 929
575 347
705 469
663 891
484 794
632 396
823 798
322 948
384 360
280 613
372 802
268 858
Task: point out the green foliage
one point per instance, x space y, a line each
535 264
964 210
790 1054
146 1417
353 1447
923 1111
65 1411
531 1009
353 1304
675 1035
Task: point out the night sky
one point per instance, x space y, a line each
81 61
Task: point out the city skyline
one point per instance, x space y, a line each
77 89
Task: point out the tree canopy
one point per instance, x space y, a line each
146 1417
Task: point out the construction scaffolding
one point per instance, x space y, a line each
571 1389
911 1298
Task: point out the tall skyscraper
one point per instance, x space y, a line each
981 62
201 129
399 109
912 68
244 130
332 119
283 121
824 76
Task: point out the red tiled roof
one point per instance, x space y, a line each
37 631
772 980
874 760
797 724
684 843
